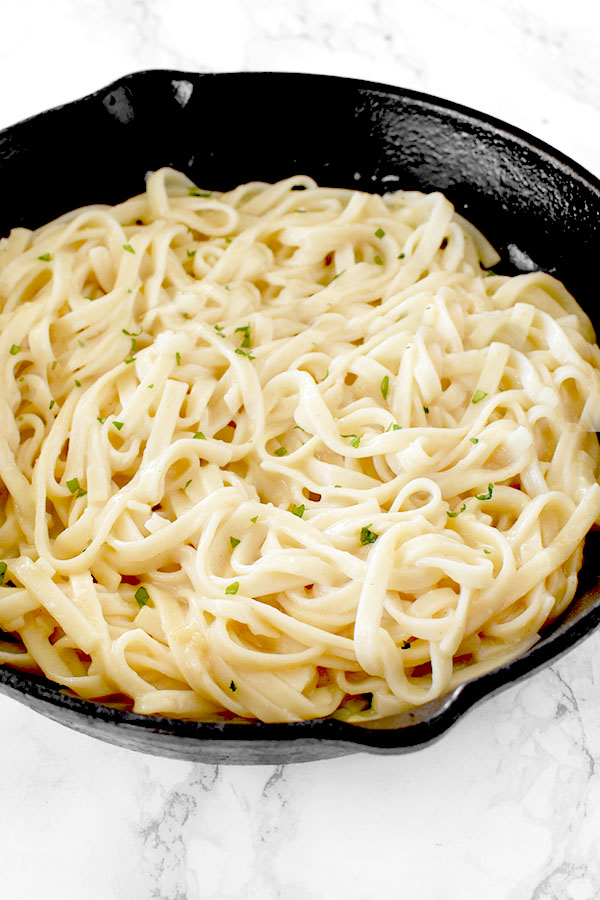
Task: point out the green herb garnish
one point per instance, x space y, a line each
474 440
367 536
52 402
244 353
187 484
253 519
129 248
234 542
478 395
77 383
453 515
380 233
141 596
196 192
232 588
191 253
339 275
385 386
178 358
74 487
200 436
14 349
132 334
45 257
281 451
102 419
118 425
378 260
401 255
426 410
393 427
487 496
353 438
297 510
245 330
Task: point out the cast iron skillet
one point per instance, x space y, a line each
539 208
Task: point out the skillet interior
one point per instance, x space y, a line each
538 208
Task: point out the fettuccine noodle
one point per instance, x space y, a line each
281 454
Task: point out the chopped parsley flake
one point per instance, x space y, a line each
187 484
232 588
367 536
487 496
141 596
474 440
426 410
378 260
74 487
245 330
45 257
132 333
234 542
401 255
485 550
14 349
191 253
253 519
380 233
297 510
339 275
129 248
52 402
3 570
353 438
196 192
393 427
478 395
228 240
118 425
101 419
178 358
77 383
244 353
453 515
385 386
130 359
200 436
281 451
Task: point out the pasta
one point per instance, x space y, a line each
284 452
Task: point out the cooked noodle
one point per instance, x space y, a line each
282 454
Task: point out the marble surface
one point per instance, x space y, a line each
507 805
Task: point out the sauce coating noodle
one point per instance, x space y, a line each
282 454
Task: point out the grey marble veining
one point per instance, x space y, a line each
507 805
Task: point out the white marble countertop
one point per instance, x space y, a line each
507 805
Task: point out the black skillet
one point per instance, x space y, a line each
539 209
